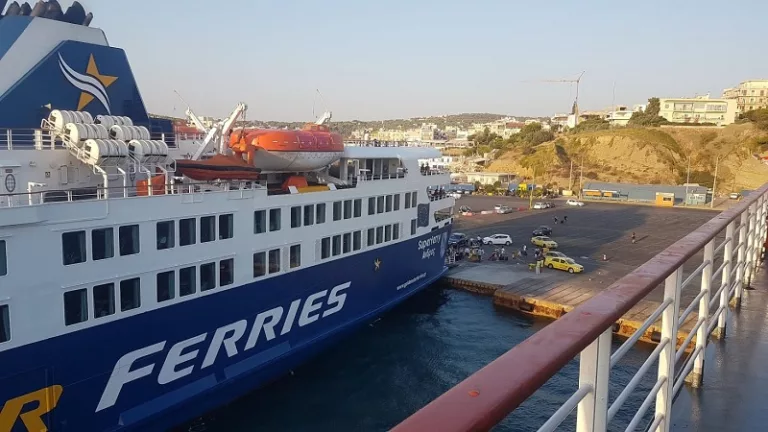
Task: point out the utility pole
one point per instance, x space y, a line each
687 180
581 176
533 187
714 183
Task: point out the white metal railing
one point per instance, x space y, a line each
39 197
38 139
726 267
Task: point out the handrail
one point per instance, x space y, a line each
490 394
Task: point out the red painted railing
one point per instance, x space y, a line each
491 394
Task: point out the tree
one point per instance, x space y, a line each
649 117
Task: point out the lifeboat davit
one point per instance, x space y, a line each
219 167
277 150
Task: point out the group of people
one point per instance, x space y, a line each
437 194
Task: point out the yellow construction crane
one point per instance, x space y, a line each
576 101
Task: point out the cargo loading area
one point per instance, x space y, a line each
597 236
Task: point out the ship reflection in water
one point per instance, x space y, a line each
374 379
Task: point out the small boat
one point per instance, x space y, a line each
217 167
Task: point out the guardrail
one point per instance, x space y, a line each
488 396
37 139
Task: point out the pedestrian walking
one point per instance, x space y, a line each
634 238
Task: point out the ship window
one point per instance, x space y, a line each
129 239
259 221
371 237
274 261
346 243
413 199
187 281
259 264
73 245
102 243
395 231
226 272
309 215
396 206
130 294
325 247
226 226
348 209
274 219
371 205
5 323
336 249
165 231
407 200
337 210
380 204
75 306
387 232
413 226
166 286
3 259
187 232
320 213
379 234
295 217
207 276
358 207
357 240
207 229
103 300
389 203
294 253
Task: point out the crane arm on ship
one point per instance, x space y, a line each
325 118
218 133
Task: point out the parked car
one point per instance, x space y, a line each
565 264
454 195
542 231
544 241
497 207
539 205
504 210
498 239
457 239
555 254
573 202
734 195
549 204
465 209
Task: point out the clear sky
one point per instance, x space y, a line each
377 59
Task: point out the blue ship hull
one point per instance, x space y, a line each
82 363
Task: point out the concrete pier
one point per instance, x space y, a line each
553 293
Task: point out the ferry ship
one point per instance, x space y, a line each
145 277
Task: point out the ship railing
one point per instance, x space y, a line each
362 177
38 139
722 256
45 196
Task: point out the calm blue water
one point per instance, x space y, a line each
393 367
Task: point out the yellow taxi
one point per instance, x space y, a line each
544 241
565 264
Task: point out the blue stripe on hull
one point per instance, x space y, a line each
82 362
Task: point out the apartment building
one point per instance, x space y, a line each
749 95
700 109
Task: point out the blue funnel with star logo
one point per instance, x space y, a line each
49 64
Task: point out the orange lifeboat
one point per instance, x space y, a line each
218 167
288 150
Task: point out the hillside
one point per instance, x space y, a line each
646 155
345 128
